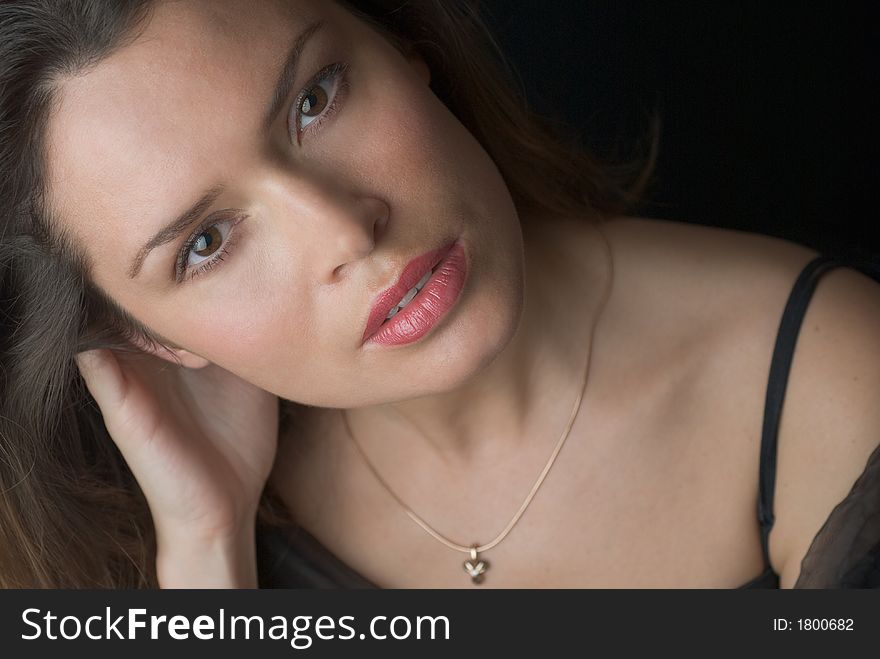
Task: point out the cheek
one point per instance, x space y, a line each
432 169
268 331
257 327
259 324
418 149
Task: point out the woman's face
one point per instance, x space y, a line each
304 201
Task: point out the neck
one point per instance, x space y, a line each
526 394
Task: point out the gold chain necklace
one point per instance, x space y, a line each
476 566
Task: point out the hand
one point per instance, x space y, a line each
200 442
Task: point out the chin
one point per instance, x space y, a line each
469 341
479 329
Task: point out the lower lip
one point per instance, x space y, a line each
427 309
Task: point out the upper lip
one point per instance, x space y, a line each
409 277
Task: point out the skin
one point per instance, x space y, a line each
472 410
131 145
330 223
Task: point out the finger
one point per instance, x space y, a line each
103 376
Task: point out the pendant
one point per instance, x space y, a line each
476 567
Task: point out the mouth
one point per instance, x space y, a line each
404 296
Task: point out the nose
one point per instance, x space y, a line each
352 229
335 225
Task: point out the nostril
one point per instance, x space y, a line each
379 227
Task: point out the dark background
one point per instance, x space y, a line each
768 109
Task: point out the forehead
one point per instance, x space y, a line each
151 124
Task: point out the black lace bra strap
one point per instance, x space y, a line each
780 364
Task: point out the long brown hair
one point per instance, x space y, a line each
71 513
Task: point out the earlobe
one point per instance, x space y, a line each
188 359
171 354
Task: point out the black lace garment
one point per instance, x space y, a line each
844 554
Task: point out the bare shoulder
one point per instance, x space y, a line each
732 287
831 420
705 258
709 289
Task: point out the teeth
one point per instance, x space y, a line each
424 280
410 294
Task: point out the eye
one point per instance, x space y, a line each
206 247
319 100
207 243
313 105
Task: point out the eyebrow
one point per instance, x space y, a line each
283 84
287 76
172 231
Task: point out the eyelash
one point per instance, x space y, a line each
213 260
337 71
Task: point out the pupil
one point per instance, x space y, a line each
205 241
314 102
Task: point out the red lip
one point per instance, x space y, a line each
410 276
